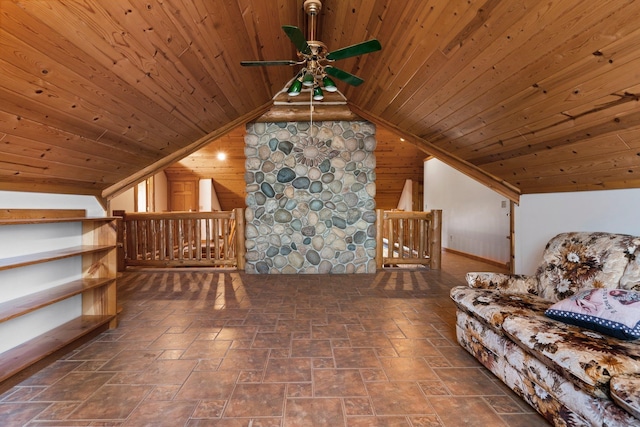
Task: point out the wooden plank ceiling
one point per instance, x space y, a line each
527 96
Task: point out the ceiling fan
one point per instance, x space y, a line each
316 58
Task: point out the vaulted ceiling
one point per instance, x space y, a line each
526 96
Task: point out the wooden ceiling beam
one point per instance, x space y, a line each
152 169
496 184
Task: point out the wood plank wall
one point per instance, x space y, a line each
396 161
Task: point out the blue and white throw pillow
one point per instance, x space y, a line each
614 312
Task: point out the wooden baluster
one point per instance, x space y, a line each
411 233
399 229
379 238
391 239
180 237
139 253
420 237
208 238
197 241
225 239
162 239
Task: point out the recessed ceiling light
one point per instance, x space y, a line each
222 156
402 139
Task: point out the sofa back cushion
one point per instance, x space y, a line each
575 261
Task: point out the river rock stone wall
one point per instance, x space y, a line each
310 198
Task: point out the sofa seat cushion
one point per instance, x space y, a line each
587 358
625 391
493 306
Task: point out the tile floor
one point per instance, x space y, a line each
222 348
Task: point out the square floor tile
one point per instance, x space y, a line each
459 411
256 400
398 398
468 381
291 370
75 386
338 383
356 358
206 385
111 402
160 413
312 412
407 369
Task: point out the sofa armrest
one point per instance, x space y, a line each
516 283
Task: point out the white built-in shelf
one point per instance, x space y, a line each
97 286
42 257
33 351
28 303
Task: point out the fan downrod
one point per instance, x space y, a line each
312 8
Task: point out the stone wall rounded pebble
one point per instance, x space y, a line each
310 198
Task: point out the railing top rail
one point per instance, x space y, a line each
406 214
178 215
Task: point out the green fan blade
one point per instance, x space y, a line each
297 38
266 63
355 50
343 75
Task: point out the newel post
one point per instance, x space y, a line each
435 240
240 238
120 263
379 238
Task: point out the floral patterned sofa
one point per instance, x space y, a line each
571 375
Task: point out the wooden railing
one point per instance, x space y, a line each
174 239
181 239
409 238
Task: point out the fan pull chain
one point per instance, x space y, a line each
311 113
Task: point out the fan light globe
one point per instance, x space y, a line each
308 80
317 94
329 85
295 88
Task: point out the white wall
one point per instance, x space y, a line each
205 192
475 219
406 197
539 217
123 202
126 200
161 188
19 200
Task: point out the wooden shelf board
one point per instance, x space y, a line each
28 303
42 257
32 351
21 221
